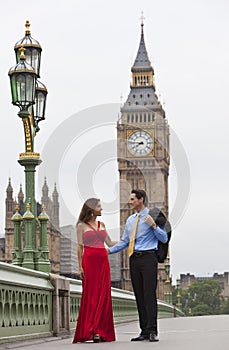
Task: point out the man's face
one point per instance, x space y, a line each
135 203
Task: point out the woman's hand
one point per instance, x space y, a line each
109 242
150 221
80 273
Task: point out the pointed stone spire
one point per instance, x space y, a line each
9 205
45 195
142 60
20 195
55 194
55 209
142 93
45 189
9 190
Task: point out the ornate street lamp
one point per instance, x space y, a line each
23 79
40 103
30 96
33 49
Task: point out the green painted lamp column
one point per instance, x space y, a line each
179 305
43 263
30 161
28 252
168 294
17 252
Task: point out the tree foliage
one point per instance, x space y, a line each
202 298
225 307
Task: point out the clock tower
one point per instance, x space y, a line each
143 150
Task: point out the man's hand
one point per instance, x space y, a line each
150 221
108 251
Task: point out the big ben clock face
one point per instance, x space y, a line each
140 143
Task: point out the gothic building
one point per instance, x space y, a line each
53 233
143 150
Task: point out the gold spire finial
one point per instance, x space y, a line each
22 50
16 208
43 207
27 26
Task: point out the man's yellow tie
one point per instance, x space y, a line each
133 235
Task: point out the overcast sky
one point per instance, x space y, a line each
88 50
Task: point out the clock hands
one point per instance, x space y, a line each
136 144
139 143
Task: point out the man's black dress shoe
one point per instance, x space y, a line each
141 337
153 337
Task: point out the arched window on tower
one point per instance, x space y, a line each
145 80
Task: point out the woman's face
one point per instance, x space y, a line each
98 209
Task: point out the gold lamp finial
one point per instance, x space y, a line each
22 54
28 206
27 26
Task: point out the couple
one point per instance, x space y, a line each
141 236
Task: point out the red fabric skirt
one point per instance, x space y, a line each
95 314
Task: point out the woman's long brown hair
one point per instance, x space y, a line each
88 209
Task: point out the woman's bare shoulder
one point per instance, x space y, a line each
102 225
80 226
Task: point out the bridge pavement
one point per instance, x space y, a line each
188 333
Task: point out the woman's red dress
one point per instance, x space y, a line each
95 313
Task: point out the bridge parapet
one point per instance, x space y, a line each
25 303
37 304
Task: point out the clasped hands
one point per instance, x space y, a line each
149 220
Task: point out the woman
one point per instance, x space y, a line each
95 321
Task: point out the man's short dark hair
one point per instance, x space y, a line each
140 194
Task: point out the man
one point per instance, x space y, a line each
141 236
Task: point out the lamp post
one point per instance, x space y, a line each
30 96
168 294
178 294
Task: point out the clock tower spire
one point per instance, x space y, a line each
143 148
142 91
142 71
